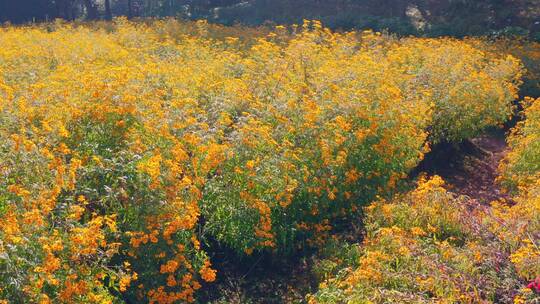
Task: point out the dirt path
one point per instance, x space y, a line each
474 173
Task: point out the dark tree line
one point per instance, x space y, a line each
435 17
42 10
20 11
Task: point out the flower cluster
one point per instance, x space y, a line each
526 50
426 246
518 225
521 166
534 285
125 146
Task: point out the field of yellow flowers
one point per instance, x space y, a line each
128 149
431 246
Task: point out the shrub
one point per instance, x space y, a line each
518 225
526 50
126 146
320 128
470 89
521 166
300 167
100 198
424 247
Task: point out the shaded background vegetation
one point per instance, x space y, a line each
418 17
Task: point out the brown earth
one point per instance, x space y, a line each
475 175
470 168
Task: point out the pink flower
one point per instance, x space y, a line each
535 285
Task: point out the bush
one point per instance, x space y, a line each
127 147
428 246
518 225
112 195
521 166
470 89
292 168
320 128
526 50
424 247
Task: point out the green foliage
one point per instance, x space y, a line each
424 247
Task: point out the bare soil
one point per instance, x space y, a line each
476 175
471 168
